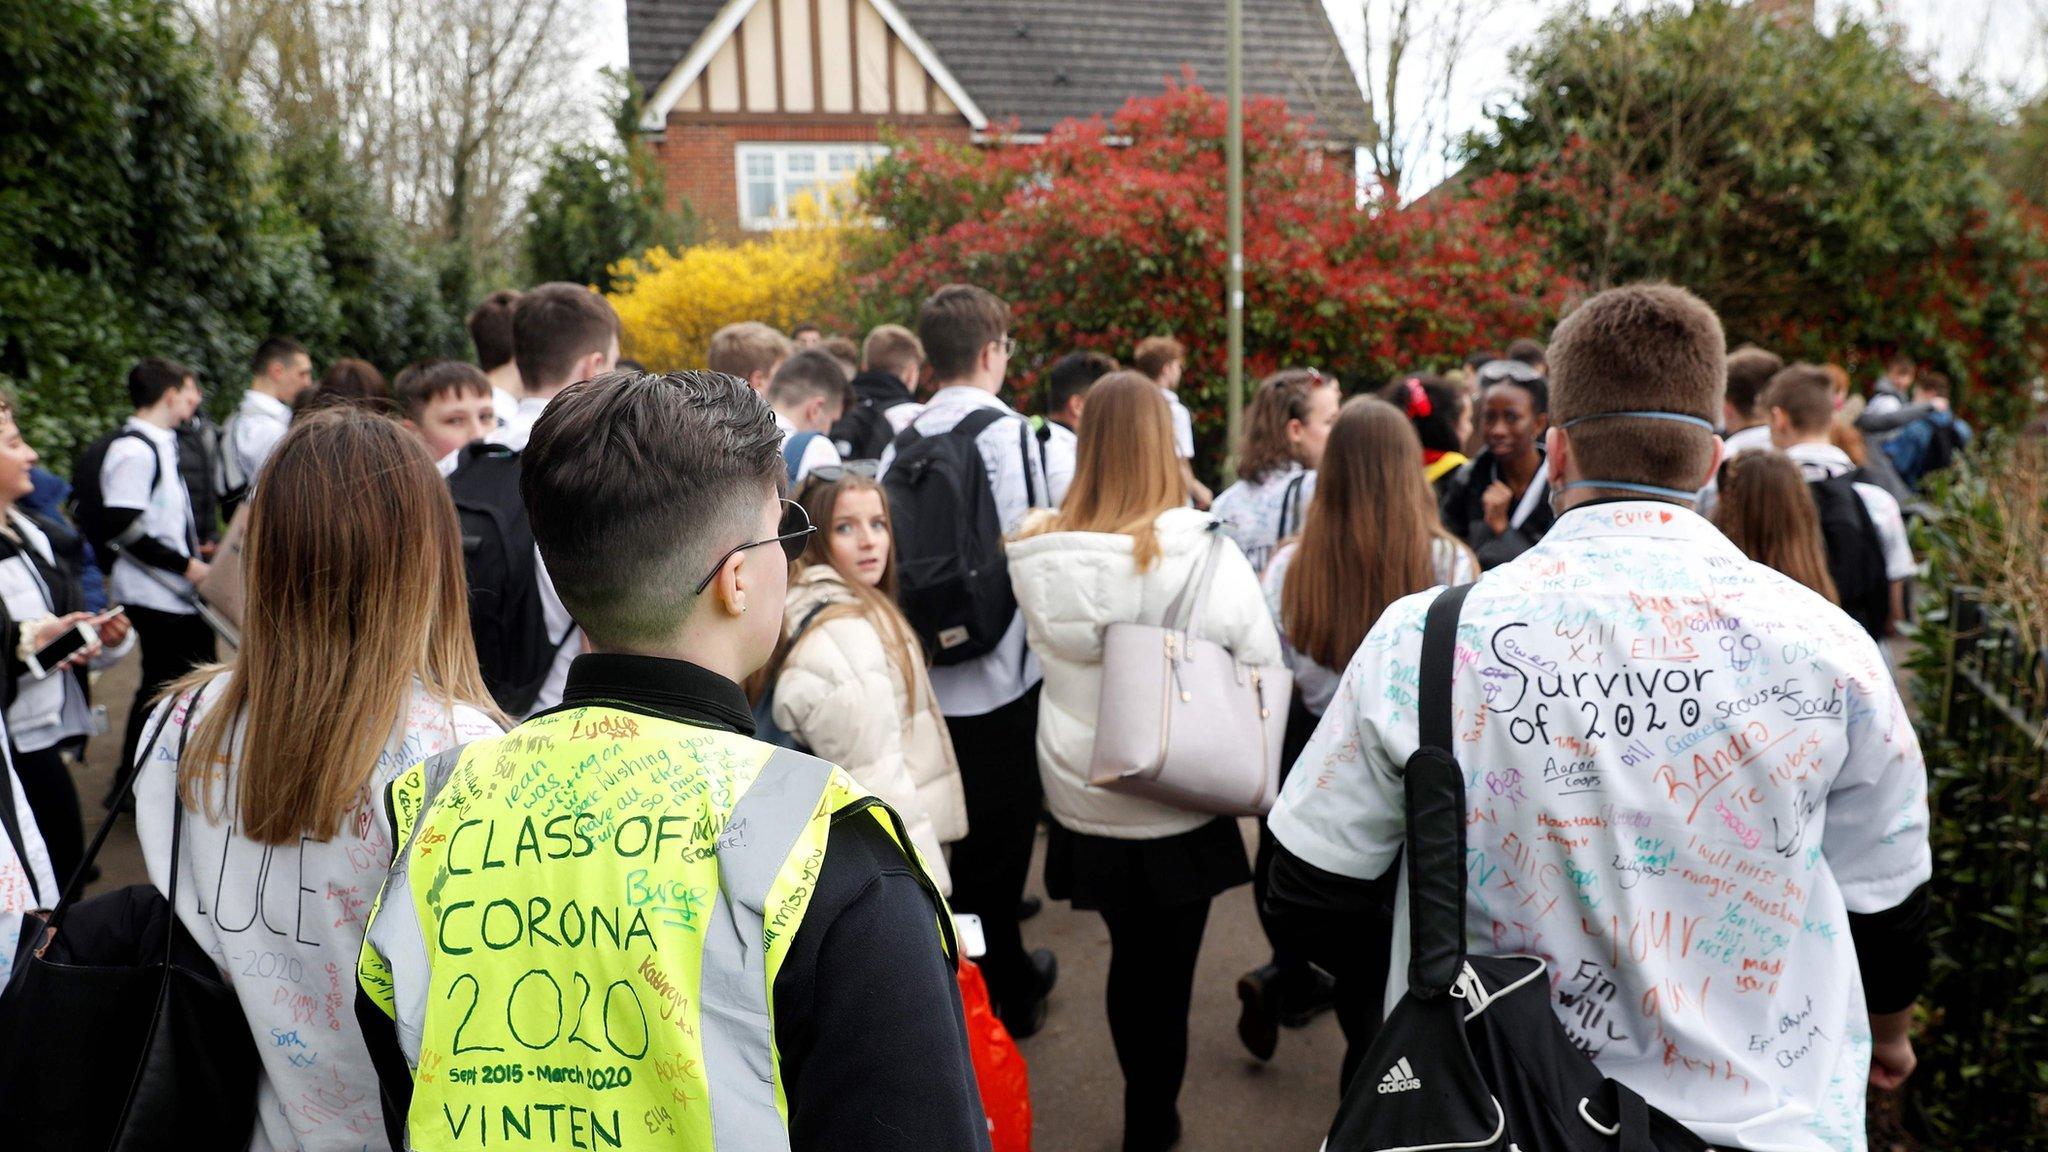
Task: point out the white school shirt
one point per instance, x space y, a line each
53 709
1449 564
504 405
25 883
1061 449
125 477
982 685
1259 514
519 428
1183 425
1821 461
819 453
260 421
1683 770
287 930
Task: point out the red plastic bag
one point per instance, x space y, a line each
998 1066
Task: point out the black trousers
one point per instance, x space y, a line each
1301 724
1152 955
53 797
173 643
998 754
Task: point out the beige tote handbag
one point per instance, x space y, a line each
1180 720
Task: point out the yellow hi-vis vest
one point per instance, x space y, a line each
580 934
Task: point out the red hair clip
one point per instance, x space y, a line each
1419 407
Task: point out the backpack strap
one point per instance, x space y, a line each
1024 439
1435 804
793 450
1290 505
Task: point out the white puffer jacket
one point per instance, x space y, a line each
841 692
1072 586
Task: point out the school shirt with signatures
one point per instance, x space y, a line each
1683 771
285 923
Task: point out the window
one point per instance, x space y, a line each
775 177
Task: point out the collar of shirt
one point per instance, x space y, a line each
966 396
530 407
161 437
1652 518
670 689
264 404
783 422
1824 458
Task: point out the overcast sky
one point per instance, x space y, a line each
1998 43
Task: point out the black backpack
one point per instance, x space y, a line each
864 431
89 503
1944 444
513 648
953 576
1855 551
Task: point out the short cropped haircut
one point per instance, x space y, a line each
955 324
420 384
153 376
1932 383
1640 348
810 373
1806 397
556 324
891 348
844 350
490 329
1749 369
1529 351
636 483
1073 375
1155 354
804 327
746 348
274 350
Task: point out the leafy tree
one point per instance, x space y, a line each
598 204
1812 186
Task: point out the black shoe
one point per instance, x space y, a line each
1029 907
1148 1139
1047 966
1025 1017
1310 994
1258 1022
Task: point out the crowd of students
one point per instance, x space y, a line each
549 544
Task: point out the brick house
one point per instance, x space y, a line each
752 102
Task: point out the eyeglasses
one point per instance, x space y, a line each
795 528
1494 371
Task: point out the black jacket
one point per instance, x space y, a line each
864 431
1464 509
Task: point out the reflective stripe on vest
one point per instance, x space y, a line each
583 928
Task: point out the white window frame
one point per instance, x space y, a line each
864 152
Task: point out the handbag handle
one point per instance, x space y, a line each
1189 601
99 840
1434 791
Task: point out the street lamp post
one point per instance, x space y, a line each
1234 280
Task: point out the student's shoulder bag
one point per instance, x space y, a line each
117 1031
1473 1057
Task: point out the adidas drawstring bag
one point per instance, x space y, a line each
1473 1057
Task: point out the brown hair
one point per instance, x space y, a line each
1764 508
820 498
891 348
351 382
490 329
1125 469
1281 399
1155 354
1932 384
635 483
1370 537
746 348
1649 348
553 326
955 324
1802 391
340 625
420 384
844 350
810 373
1749 370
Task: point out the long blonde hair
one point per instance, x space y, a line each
1125 469
1763 506
820 498
355 587
1370 537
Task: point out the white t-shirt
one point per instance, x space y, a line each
1821 461
125 477
260 421
1450 564
1183 425
819 452
1259 514
1683 770
286 931
1061 446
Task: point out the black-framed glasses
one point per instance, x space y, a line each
792 532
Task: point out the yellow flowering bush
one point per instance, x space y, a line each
669 303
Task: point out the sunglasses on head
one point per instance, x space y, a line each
794 529
1495 371
834 473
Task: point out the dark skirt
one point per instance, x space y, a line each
1099 872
